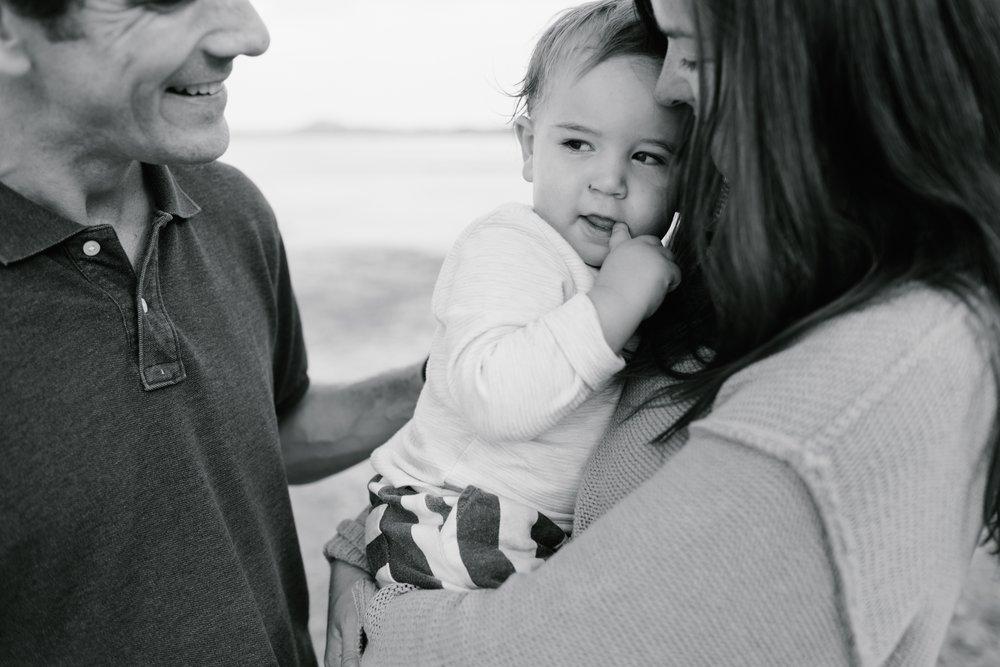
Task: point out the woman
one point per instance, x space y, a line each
798 475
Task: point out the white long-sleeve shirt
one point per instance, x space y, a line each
520 378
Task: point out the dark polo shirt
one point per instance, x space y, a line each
144 511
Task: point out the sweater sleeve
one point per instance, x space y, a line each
348 544
524 348
718 559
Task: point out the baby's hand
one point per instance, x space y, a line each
636 275
640 269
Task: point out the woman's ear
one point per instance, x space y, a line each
14 60
525 131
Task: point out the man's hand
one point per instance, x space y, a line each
335 426
343 624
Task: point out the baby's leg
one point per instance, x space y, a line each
460 541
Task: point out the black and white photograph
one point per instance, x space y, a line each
469 333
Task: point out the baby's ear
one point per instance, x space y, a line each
525 131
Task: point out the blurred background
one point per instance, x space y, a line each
378 131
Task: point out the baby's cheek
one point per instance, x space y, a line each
654 215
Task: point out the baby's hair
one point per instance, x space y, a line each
584 37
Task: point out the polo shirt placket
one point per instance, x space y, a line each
101 259
160 360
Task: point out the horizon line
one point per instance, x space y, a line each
340 128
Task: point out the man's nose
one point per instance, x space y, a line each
240 30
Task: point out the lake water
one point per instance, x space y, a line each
415 191
366 219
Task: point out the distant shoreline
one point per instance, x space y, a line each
335 129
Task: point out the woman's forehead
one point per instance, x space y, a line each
675 18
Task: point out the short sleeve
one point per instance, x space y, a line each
290 364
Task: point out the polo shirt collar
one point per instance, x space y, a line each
168 197
27 229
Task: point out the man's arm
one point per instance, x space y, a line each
335 426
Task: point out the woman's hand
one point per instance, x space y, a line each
343 624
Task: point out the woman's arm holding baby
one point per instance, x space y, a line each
667 587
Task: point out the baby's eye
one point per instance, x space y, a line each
576 144
689 65
652 159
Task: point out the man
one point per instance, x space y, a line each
150 347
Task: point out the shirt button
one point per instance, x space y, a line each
91 248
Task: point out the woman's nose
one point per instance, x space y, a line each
672 86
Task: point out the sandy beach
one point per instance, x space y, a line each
366 221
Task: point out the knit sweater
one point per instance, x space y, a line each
824 513
519 379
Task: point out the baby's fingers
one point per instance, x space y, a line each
655 242
673 272
619 234
646 239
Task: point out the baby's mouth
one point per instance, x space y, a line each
600 222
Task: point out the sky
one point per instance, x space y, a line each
400 64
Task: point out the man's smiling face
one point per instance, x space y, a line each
141 80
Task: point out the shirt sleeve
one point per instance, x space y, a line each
523 347
290 365
718 559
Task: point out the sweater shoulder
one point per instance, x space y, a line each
910 347
885 416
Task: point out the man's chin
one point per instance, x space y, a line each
194 150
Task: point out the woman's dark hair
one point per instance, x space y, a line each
863 137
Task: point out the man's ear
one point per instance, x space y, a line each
14 60
525 131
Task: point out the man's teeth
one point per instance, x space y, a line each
200 89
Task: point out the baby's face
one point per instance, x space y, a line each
599 150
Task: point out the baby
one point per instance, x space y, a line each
534 308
